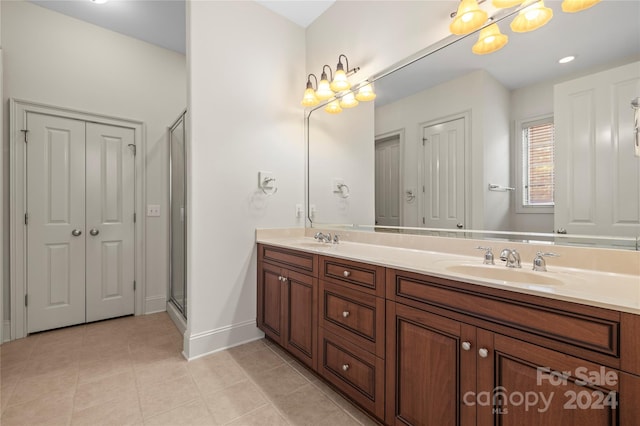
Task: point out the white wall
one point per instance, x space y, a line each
246 79
54 59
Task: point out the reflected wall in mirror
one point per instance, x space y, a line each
444 147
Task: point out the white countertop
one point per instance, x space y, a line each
611 290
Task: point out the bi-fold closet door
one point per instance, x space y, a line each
80 223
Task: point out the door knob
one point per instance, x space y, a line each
561 231
94 232
460 226
76 232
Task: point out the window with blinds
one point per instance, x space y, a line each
537 163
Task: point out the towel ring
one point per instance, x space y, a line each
267 187
343 190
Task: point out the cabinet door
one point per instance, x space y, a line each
270 303
522 384
301 313
428 370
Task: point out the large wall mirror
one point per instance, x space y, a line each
512 142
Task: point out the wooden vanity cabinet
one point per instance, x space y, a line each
288 300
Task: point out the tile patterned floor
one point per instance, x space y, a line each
129 371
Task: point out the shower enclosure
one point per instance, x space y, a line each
178 220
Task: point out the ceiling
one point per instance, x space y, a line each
162 22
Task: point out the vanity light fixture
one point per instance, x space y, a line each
566 59
324 91
310 99
99 1
489 40
333 107
468 18
349 101
572 6
504 4
366 93
532 17
340 81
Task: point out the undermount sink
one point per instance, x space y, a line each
505 274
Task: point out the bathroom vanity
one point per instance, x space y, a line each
414 337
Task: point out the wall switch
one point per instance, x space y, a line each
153 210
299 211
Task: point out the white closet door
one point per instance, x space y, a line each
109 222
55 231
443 175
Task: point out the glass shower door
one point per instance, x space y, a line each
178 233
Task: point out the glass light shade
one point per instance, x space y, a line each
324 91
468 18
531 18
333 107
365 93
340 81
504 4
489 40
349 101
310 99
572 6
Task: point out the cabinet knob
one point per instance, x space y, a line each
345 367
466 346
345 314
284 279
483 352
279 277
346 274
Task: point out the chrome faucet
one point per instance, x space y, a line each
539 264
512 257
323 238
336 239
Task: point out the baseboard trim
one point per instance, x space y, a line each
177 318
155 304
6 331
205 343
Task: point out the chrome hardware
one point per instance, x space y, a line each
94 232
466 346
561 231
488 256
345 314
512 257
345 367
323 238
459 226
76 232
346 274
539 263
336 239
483 352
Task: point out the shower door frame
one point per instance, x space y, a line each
181 308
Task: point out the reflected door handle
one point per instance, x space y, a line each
561 231
94 232
76 232
460 226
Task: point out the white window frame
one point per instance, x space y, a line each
519 125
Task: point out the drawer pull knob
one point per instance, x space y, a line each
345 367
345 314
483 352
346 274
466 346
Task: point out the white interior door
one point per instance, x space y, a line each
387 173
443 175
56 216
110 184
597 174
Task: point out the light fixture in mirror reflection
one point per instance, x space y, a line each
384 149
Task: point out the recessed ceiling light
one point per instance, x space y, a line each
99 1
566 59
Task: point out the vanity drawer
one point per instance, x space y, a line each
353 315
577 329
355 275
306 263
356 372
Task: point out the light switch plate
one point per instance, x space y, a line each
153 210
